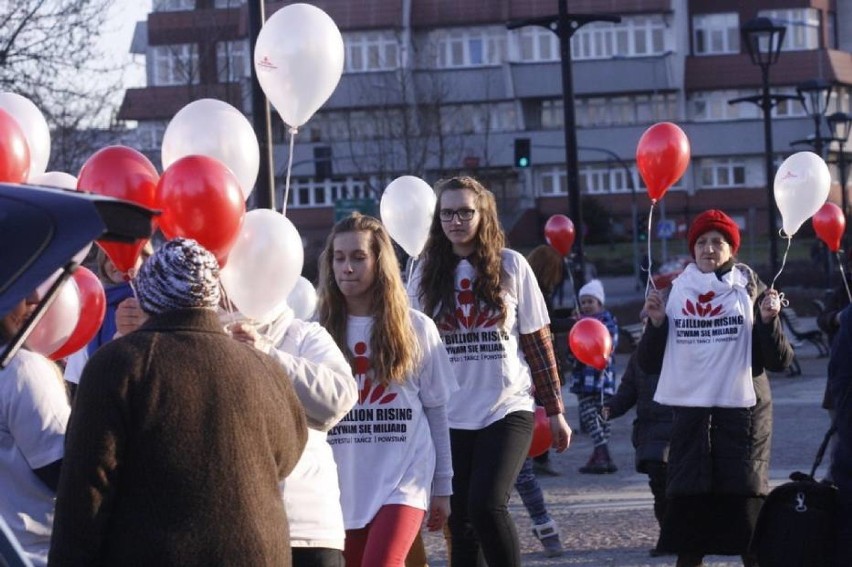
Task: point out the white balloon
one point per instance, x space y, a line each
58 322
54 179
299 60
212 128
264 265
303 299
801 187
407 207
34 126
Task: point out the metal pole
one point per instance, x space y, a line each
818 138
844 197
264 193
766 105
571 164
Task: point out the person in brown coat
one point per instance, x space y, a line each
178 437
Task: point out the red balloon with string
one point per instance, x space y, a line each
559 233
662 157
123 173
590 341
829 225
92 311
14 150
542 436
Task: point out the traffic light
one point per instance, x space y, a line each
522 152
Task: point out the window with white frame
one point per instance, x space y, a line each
713 106
175 64
713 34
173 5
479 118
635 36
466 47
552 113
623 110
535 44
602 179
802 27
307 193
553 181
228 3
232 61
371 51
722 173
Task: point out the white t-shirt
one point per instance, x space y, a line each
33 416
383 447
493 375
707 362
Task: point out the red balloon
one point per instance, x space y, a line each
662 157
591 343
123 173
202 200
830 225
542 437
559 233
92 310
14 151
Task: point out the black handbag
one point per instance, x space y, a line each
796 526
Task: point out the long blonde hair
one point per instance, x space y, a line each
437 284
393 345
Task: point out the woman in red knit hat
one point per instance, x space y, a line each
711 340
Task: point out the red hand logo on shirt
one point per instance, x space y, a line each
360 367
702 307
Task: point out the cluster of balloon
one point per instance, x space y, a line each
264 265
590 341
559 234
298 59
123 173
801 187
212 128
830 225
542 437
407 207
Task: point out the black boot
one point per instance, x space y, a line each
597 463
608 463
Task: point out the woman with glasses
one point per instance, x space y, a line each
493 320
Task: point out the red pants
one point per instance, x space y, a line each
385 541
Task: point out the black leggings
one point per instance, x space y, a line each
486 463
317 557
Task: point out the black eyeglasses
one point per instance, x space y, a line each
464 215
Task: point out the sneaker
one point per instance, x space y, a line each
548 535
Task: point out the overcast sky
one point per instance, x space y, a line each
115 41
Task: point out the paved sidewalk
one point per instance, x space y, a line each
607 520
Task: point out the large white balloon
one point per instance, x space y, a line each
58 322
407 207
212 128
54 179
299 60
801 187
303 299
264 265
34 126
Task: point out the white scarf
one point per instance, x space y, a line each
708 349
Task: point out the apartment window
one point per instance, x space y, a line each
624 110
228 3
636 36
535 44
149 135
601 179
371 51
479 118
713 34
802 27
307 193
173 5
232 61
552 113
722 173
554 182
176 64
469 47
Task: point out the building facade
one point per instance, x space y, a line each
434 88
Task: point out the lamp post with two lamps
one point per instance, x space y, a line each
763 41
814 96
839 124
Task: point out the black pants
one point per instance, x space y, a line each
486 463
317 557
656 472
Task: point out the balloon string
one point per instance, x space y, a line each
293 132
783 260
411 269
649 283
843 276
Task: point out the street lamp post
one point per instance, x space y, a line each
763 41
814 96
839 124
564 25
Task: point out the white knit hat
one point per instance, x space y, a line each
595 289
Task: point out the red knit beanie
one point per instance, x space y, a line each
714 219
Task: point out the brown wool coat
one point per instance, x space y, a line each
177 441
